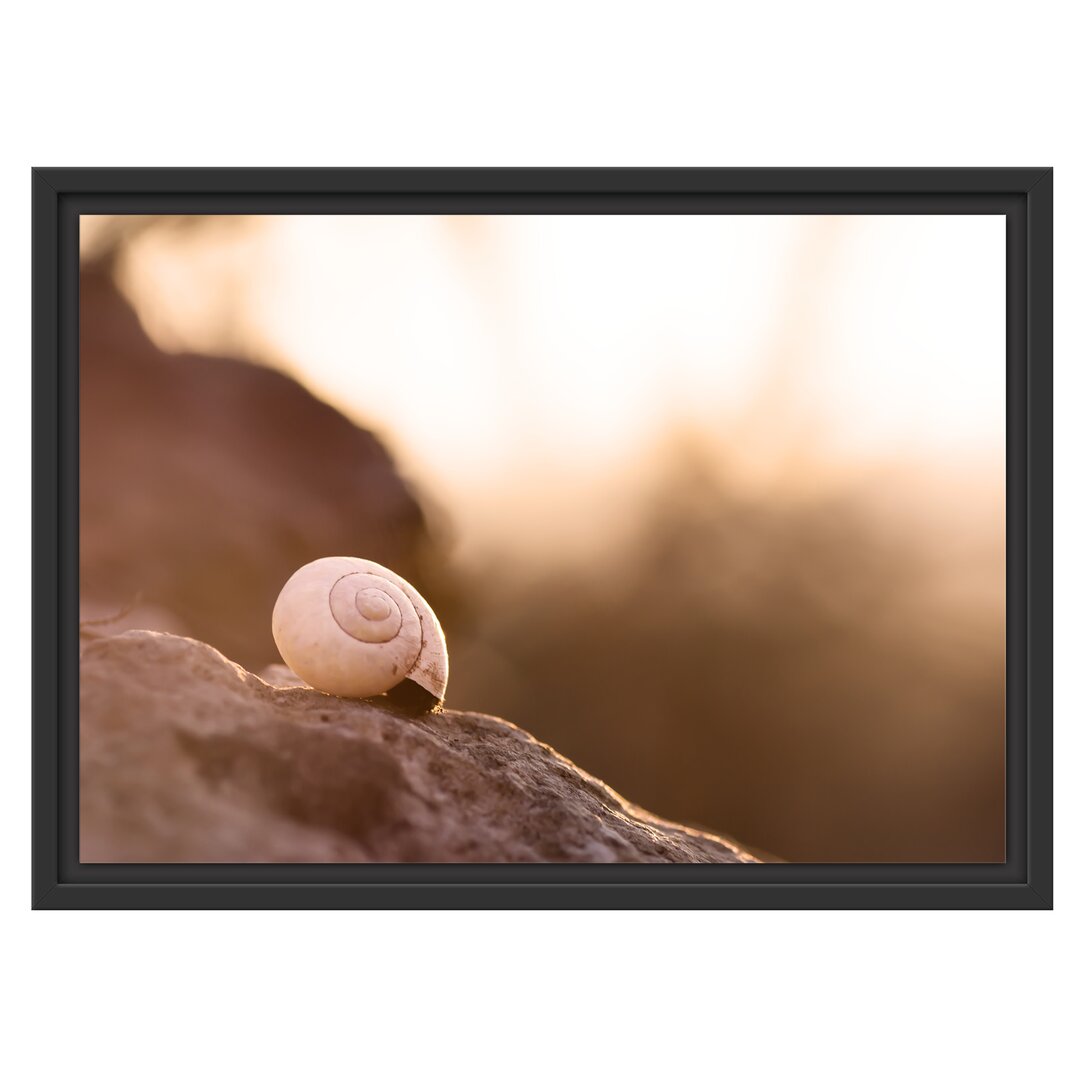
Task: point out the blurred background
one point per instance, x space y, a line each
714 505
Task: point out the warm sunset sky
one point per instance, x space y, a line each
500 357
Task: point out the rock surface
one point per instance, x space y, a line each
206 481
187 757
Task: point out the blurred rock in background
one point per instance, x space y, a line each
205 482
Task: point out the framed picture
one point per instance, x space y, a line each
542 538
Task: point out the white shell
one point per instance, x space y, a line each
355 629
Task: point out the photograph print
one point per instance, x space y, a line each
542 538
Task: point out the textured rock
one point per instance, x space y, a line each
205 482
187 757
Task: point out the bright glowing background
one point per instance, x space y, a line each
517 366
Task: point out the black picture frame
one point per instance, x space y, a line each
1023 195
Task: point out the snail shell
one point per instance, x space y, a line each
353 628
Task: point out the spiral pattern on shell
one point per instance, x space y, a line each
354 628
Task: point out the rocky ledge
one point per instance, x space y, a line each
187 757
